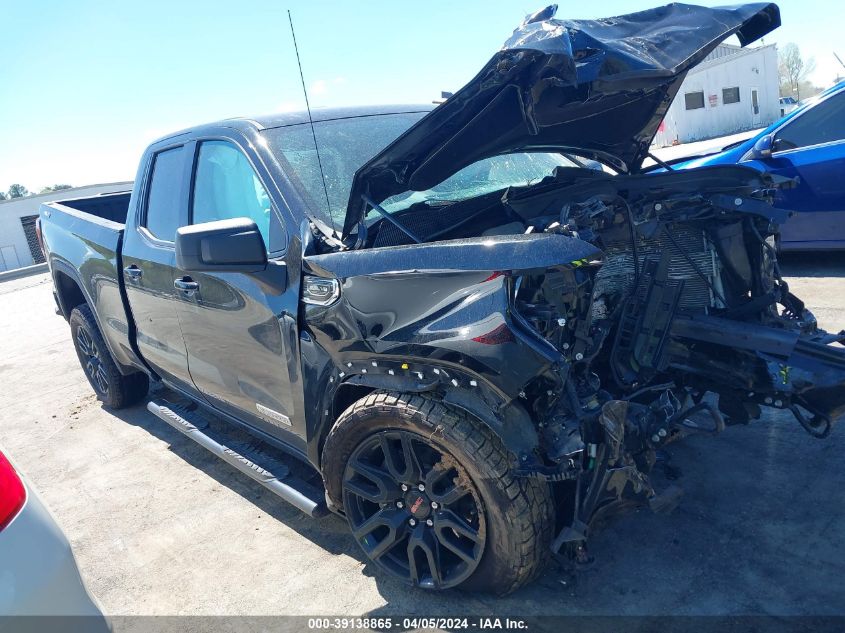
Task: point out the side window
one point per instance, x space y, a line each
164 197
225 187
822 123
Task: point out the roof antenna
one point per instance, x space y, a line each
311 121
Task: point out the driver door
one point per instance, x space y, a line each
240 333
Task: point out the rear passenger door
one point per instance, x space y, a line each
149 259
241 335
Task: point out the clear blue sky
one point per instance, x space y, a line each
85 85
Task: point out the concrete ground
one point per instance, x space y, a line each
161 527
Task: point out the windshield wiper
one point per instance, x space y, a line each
378 209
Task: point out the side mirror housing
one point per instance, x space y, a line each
232 245
763 147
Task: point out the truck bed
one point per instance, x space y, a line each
82 239
110 206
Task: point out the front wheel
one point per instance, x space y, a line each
430 498
114 389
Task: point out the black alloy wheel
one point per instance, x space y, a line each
414 509
92 361
115 389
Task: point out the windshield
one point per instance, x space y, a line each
346 144
484 176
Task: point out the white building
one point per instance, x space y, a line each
732 90
18 244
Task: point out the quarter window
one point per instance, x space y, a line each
730 95
225 187
821 123
694 100
162 217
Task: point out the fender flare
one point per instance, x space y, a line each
60 265
508 419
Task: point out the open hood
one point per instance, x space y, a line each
598 88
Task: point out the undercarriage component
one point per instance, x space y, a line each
616 464
781 369
615 469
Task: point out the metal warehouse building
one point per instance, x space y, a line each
732 90
18 244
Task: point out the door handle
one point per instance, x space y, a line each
133 273
186 284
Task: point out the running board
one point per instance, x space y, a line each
190 423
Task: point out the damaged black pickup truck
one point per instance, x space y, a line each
480 323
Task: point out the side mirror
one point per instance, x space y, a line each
232 245
763 147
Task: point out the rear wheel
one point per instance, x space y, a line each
430 498
113 388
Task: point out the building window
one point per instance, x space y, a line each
28 223
730 95
694 100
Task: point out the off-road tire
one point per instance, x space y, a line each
114 389
519 512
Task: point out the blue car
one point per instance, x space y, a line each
808 143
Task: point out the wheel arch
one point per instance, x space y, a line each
507 419
68 291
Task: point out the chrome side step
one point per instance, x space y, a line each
190 424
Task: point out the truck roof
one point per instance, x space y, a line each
281 119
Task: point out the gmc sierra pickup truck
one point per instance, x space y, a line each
480 341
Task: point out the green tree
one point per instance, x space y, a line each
2 196
55 188
18 191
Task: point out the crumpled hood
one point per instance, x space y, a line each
598 88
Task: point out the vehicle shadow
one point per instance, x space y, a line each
329 533
822 264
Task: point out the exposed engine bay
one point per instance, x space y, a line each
683 326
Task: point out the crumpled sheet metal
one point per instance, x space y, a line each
663 41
